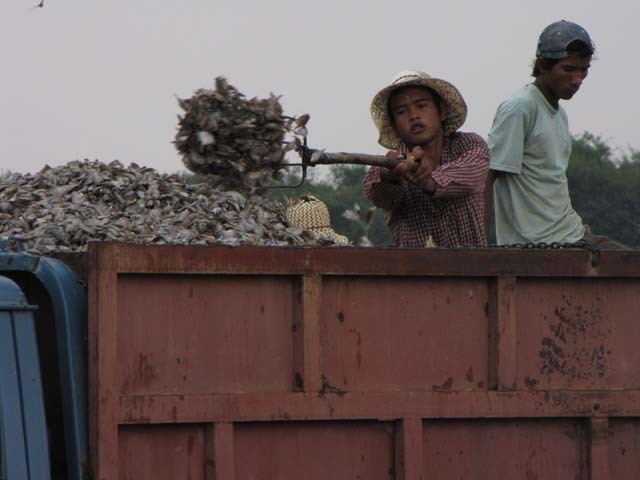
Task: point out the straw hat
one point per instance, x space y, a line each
456 106
312 214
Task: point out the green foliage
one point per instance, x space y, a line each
605 190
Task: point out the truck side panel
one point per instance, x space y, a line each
259 363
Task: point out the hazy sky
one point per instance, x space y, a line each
84 79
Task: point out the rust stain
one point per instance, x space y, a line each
283 414
190 443
341 317
328 388
575 347
174 414
298 382
133 418
531 474
470 374
562 400
445 386
359 358
146 371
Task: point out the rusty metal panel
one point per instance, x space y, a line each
103 362
403 358
314 450
188 334
161 452
417 333
375 261
624 448
519 448
578 333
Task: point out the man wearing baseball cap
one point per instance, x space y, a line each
530 147
435 193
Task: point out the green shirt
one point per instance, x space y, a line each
531 143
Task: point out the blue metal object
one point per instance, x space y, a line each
69 303
23 424
14 243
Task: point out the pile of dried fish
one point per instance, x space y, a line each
61 209
237 142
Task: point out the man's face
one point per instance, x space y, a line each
566 76
415 115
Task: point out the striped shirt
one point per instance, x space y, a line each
453 215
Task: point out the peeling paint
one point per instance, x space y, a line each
576 347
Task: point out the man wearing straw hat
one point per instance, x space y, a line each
436 190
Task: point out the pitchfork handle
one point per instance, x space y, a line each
355 159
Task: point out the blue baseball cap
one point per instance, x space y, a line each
555 39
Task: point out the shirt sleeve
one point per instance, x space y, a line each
382 194
506 138
465 174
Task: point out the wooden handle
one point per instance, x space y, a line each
355 159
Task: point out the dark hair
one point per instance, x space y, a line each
577 48
437 99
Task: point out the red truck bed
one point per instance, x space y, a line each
344 363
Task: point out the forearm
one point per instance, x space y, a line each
459 181
466 174
382 189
